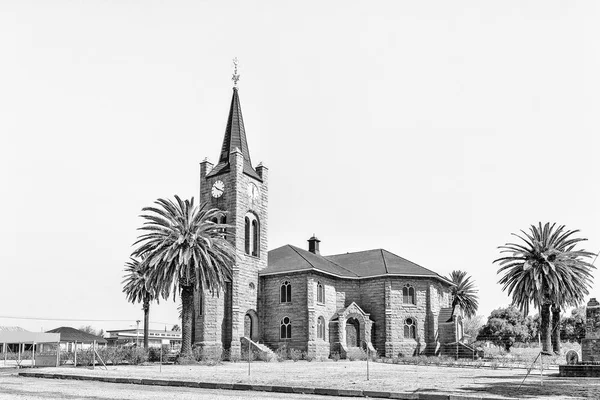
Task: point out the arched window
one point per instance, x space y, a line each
408 295
255 238
286 328
252 235
247 235
410 329
320 293
286 292
321 328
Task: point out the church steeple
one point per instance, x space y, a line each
235 137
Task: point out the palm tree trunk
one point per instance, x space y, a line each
187 303
146 321
556 329
546 328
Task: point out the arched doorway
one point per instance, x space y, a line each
352 332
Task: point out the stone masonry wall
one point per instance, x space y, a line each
274 311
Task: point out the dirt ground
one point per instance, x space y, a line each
383 377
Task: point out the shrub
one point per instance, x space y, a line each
282 352
295 354
154 353
136 355
335 356
356 353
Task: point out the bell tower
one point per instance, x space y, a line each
235 186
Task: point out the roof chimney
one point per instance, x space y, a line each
313 245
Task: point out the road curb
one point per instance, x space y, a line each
262 388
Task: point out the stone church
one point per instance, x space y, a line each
303 299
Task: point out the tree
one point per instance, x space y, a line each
471 326
547 271
137 290
463 293
185 249
505 327
89 329
573 327
175 328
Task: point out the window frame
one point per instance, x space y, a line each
320 293
285 295
285 329
321 332
412 328
408 299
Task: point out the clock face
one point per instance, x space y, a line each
218 189
253 192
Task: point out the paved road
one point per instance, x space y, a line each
18 388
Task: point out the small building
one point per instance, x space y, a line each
71 339
132 337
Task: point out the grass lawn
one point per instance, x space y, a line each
352 375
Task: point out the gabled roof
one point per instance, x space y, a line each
68 334
361 264
235 137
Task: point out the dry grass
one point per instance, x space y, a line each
352 375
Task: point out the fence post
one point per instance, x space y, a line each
94 354
58 354
33 354
75 354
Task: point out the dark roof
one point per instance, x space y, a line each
235 137
290 258
68 334
361 264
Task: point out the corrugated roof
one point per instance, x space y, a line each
68 334
361 264
12 329
235 137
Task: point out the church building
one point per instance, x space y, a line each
297 297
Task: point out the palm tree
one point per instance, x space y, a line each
463 293
546 270
136 289
185 249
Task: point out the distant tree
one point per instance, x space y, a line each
463 293
185 250
573 327
549 272
472 325
175 328
90 329
138 290
505 327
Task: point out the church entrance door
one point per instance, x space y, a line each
352 336
248 326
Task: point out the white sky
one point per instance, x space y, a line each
432 129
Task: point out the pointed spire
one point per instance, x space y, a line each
235 136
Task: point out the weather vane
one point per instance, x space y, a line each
236 77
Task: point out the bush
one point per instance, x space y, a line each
154 353
282 352
136 355
335 356
295 355
356 353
